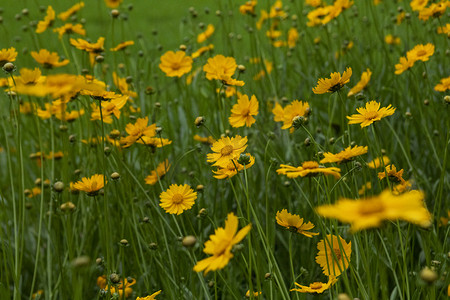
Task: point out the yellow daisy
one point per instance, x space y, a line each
308 168
91 185
226 149
177 198
206 34
365 78
315 287
175 64
157 174
334 83
242 113
345 155
371 113
47 22
293 110
334 255
151 297
7 55
442 86
294 223
48 59
420 52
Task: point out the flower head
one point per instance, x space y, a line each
248 7
175 64
334 255
48 59
334 83
91 185
47 22
371 113
370 212
138 130
222 68
403 65
308 168
122 46
294 223
392 174
242 113
315 287
157 174
69 29
177 198
365 78
94 48
377 162
291 111
345 155
220 244
206 34
392 40
7 55
233 167
113 3
443 85
226 149
66 14
150 297
420 52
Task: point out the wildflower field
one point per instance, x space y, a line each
224 149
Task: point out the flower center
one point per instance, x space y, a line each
175 65
370 115
338 254
177 198
421 53
370 207
316 285
227 150
310 165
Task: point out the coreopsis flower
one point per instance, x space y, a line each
334 83
248 7
435 10
345 155
293 37
371 113
205 140
296 109
242 113
7 55
35 191
47 22
403 65
122 46
418 5
113 3
255 294
371 212
220 245
29 77
108 108
400 17
444 29
308 168
177 198
392 40
175 64
334 255
402 187
150 297
294 223
136 131
420 52
69 29
365 78
226 149
367 186
91 185
202 50
122 85
443 85
159 173
124 288
314 3
233 167
278 112
392 174
206 34
315 287
222 68
319 16
84 45
377 162
71 11
38 293
48 59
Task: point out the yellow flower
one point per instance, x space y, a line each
403 65
151 297
392 173
364 188
293 37
443 85
220 245
202 50
113 3
371 113
69 29
248 7
7 55
175 64
136 131
233 167
420 52
392 40
38 293
29 77
48 59
242 113
159 173
315 287
278 112
334 83
66 14
95 48
205 140
418 5
444 30
177 198
293 110
365 78
370 212
314 3
33 192
221 68
345 155
308 168
319 16
91 185
376 163
226 149
435 10
294 223
122 45
206 34
334 255
47 22
255 294
122 85
122 289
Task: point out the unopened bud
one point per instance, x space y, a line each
115 278
189 241
428 275
115 13
67 207
244 159
9 67
58 186
115 176
199 121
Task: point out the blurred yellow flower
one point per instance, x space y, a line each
334 83
392 40
7 55
220 245
371 113
334 255
122 46
420 52
158 174
403 65
151 297
48 59
294 223
308 168
226 149
315 287
206 34
113 3
248 7
68 13
345 155
69 29
201 50
376 162
175 64
177 198
365 78
443 85
91 185
47 22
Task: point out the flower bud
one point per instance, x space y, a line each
199 121
244 159
68 207
115 278
115 13
115 176
9 67
189 241
58 186
428 275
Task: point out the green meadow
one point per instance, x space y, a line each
224 149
